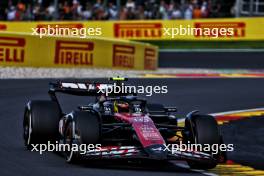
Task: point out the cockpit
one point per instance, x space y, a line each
128 104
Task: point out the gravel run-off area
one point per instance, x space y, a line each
27 72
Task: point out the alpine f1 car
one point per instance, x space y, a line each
126 126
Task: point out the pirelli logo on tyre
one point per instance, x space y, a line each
239 27
138 30
123 56
74 53
150 59
12 49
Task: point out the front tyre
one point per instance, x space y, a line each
203 129
84 128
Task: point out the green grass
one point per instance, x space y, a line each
208 44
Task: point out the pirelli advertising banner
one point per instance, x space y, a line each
32 51
202 29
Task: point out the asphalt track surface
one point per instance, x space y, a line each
207 95
218 60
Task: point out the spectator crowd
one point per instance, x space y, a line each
34 10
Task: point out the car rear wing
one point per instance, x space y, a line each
87 88
80 88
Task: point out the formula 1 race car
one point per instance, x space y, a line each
125 126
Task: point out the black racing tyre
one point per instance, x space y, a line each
203 129
88 129
40 124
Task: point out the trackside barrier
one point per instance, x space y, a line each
20 49
244 28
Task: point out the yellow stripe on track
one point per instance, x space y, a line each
235 170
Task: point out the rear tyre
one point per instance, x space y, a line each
203 129
40 124
87 131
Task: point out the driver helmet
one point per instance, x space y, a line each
121 107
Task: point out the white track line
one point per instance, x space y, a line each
229 112
236 111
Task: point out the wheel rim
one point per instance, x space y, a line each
68 140
28 129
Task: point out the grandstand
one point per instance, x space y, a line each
46 10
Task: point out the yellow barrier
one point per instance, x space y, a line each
244 28
19 49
